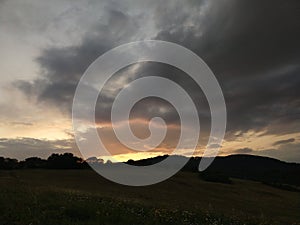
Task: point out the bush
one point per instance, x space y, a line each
212 176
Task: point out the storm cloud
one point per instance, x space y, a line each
22 148
251 46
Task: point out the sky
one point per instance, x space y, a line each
252 46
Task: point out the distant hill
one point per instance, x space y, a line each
250 167
266 170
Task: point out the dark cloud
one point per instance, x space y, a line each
281 142
238 36
252 47
61 68
243 151
288 152
22 148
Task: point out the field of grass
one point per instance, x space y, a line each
83 197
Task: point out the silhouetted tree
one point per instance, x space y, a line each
64 161
8 164
33 163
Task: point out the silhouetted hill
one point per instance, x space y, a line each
250 167
263 169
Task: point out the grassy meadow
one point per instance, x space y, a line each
83 197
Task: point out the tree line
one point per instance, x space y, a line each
249 167
55 161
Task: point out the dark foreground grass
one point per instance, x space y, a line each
22 206
81 197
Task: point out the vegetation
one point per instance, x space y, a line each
62 190
55 161
53 207
256 168
213 176
83 197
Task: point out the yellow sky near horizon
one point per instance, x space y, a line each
61 129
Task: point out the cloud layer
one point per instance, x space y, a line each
252 47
